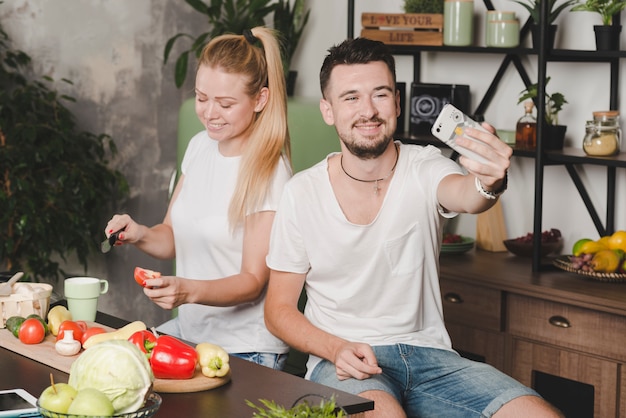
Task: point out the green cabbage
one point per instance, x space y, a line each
118 369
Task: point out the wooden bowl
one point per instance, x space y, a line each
524 249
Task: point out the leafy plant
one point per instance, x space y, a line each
554 102
534 8
290 22
224 16
605 8
423 6
326 409
55 186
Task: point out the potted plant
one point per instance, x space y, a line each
607 34
555 133
55 186
290 22
224 16
325 409
534 8
423 6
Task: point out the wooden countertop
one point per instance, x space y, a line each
507 272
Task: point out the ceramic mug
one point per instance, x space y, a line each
503 33
458 22
82 295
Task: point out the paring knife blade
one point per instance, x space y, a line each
108 243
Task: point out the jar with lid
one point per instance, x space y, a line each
603 134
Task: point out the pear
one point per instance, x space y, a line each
90 401
57 397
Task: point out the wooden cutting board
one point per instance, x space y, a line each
46 354
491 229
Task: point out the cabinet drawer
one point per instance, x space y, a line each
567 326
475 306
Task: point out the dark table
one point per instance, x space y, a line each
249 381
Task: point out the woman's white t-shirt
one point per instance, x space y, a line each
207 248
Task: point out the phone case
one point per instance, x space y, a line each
450 124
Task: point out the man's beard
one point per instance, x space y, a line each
369 148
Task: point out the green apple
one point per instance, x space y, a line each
57 397
90 401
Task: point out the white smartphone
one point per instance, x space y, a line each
450 124
17 403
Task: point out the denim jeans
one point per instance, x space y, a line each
271 360
430 382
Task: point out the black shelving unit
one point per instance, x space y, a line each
571 158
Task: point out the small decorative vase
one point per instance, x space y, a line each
607 37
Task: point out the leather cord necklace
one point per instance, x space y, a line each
376 188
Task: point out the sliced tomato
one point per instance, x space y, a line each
92 331
141 275
31 331
78 329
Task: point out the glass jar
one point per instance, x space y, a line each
603 134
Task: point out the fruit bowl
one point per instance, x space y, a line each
525 249
149 409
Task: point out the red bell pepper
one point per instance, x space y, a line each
144 340
173 359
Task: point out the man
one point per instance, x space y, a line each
362 232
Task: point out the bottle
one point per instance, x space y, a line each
526 129
603 134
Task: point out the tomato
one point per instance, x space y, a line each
141 275
78 328
92 331
31 331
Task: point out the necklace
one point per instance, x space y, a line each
376 188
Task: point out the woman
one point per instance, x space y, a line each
218 222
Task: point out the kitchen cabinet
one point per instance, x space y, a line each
554 331
572 159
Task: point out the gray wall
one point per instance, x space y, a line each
112 51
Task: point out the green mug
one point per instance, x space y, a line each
82 295
458 22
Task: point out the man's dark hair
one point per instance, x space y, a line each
355 51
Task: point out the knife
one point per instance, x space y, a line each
106 245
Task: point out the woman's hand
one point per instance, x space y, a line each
131 231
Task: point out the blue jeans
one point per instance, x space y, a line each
429 382
271 360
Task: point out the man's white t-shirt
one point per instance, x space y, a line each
207 249
375 283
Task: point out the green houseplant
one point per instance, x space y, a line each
325 409
290 22
607 35
554 104
605 8
55 186
423 6
534 9
224 16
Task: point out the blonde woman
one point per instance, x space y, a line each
219 219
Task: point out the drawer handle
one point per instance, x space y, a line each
559 321
453 298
